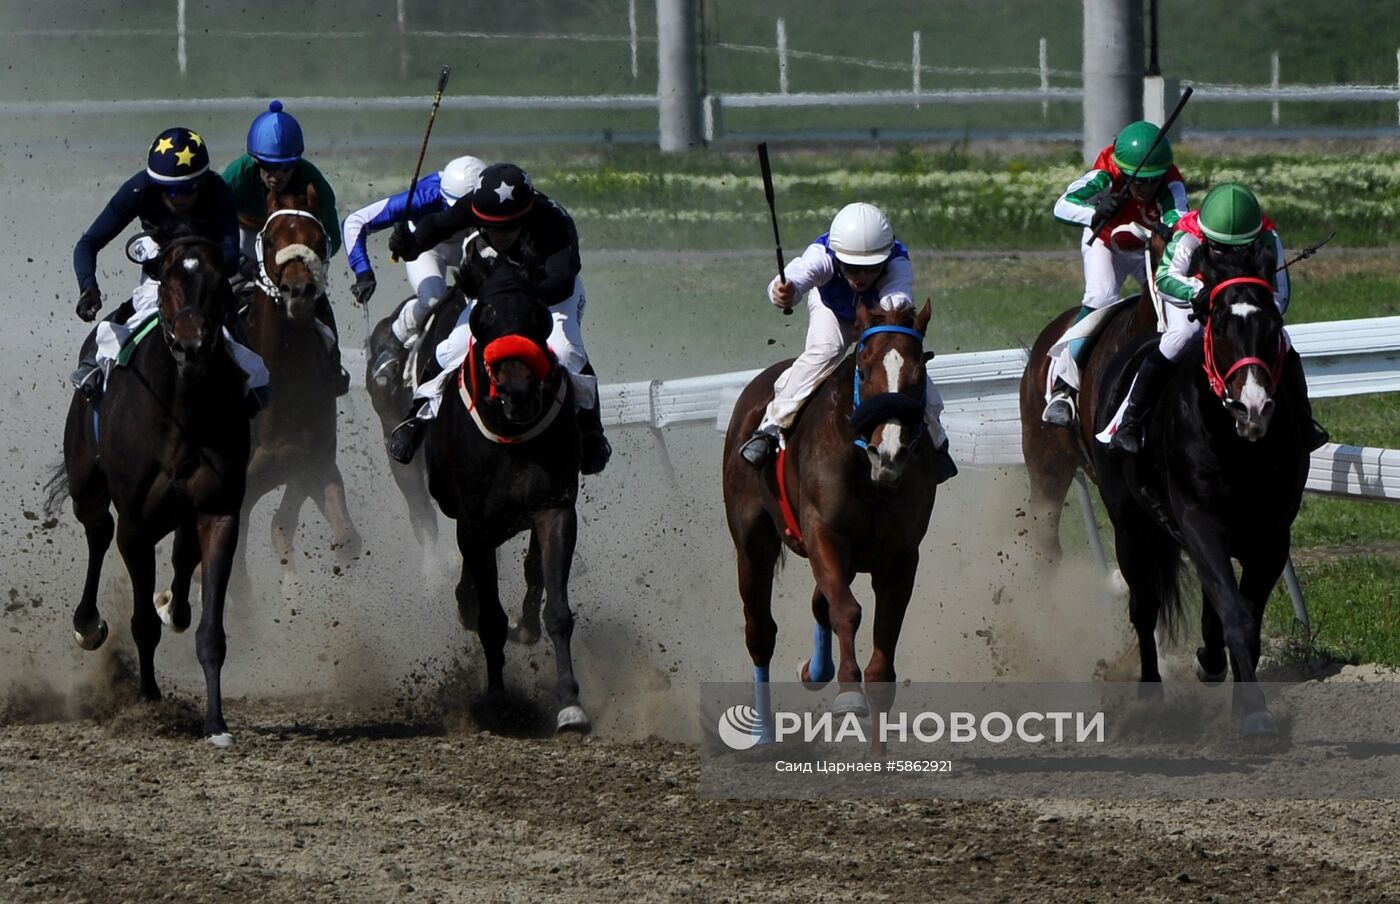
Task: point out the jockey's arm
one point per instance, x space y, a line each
804 274
1076 206
1171 198
225 213
383 214
1175 283
123 207
435 228
556 237
325 202
896 286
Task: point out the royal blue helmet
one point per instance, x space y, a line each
275 136
177 155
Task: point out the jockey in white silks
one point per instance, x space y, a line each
176 187
857 261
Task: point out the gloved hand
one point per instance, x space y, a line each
1163 231
783 294
1200 304
248 268
1108 205
364 287
89 303
402 243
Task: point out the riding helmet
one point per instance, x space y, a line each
861 235
1230 215
503 194
1131 151
275 136
459 178
177 155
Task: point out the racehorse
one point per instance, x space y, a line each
1053 454
168 447
294 437
853 491
1220 477
506 460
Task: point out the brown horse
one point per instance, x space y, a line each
853 492
294 437
1053 454
168 447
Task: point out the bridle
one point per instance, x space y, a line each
167 326
1219 382
887 406
265 281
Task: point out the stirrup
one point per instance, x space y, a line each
594 452
387 367
406 439
1062 410
1128 437
87 379
759 448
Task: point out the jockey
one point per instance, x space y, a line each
428 272
274 163
1229 222
175 188
1156 198
521 225
858 261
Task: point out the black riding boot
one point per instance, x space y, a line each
326 315
1151 376
1315 435
408 435
594 448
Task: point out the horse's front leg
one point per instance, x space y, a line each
331 501
527 629
893 586
89 627
139 553
218 543
1211 662
284 523
557 531
1207 545
479 601
1260 570
173 605
831 568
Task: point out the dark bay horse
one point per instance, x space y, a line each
1053 454
294 437
168 447
1221 477
502 457
852 491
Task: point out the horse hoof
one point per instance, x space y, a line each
1204 675
850 702
166 610
95 640
572 718
524 636
820 679
221 740
1260 724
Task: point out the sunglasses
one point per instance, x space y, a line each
861 269
276 168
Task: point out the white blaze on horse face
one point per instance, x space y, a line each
190 264
1258 409
1243 309
883 468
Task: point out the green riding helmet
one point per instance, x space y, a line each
1133 146
1230 215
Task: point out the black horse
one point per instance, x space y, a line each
502 457
1221 476
168 447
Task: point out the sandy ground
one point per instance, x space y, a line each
364 773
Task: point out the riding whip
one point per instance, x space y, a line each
1308 251
423 150
1097 223
772 210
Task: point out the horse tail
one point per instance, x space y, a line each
55 490
1164 569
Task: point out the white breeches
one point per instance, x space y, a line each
1105 270
428 275
112 336
566 341
828 338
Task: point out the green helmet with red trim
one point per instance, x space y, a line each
1133 151
1230 215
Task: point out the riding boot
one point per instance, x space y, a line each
761 446
1063 406
594 448
1151 377
1315 435
326 315
387 366
945 468
88 379
408 435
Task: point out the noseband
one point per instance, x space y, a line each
887 405
541 364
167 327
1213 376
265 280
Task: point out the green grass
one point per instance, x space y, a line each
1354 603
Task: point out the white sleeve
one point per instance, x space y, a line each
805 273
897 285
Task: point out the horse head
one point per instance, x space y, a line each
511 326
194 300
293 248
890 383
1243 336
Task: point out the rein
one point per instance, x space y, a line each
265 280
1213 376
855 393
541 364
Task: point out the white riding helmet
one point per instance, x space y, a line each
861 236
459 178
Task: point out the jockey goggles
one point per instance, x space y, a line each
181 189
275 168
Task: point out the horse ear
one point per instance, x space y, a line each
921 319
863 316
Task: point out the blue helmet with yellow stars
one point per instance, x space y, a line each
275 136
177 155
